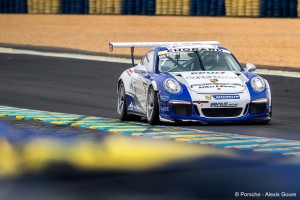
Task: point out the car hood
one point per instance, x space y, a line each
211 81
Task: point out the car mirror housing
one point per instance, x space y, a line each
141 69
250 67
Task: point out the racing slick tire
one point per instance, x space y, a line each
122 109
152 107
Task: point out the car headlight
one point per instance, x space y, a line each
172 86
258 84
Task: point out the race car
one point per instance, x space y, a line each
198 81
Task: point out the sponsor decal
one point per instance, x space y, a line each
164 97
175 45
217 85
200 87
212 77
164 109
145 85
194 49
221 97
132 106
213 80
162 52
223 104
131 86
208 97
207 72
166 54
130 71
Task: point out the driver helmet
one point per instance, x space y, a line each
210 59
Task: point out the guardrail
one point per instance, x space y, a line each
230 8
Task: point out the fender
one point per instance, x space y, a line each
154 85
268 92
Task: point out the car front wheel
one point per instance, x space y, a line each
152 107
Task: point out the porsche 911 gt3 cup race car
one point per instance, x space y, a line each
191 81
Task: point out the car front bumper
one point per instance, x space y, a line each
195 111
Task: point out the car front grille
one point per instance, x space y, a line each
221 112
257 108
183 110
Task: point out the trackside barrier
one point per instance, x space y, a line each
242 8
298 8
278 8
234 7
255 8
74 6
186 7
110 7
248 8
178 7
138 7
230 8
208 8
43 7
173 7
13 6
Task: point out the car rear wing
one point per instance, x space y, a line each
132 45
113 45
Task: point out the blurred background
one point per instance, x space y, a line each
235 8
255 31
90 154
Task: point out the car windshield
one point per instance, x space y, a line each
197 61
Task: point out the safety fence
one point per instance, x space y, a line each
231 8
43 7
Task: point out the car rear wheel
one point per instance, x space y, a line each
122 109
152 107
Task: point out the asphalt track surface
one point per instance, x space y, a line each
89 88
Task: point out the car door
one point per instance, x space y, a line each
142 80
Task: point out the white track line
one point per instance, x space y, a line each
123 60
67 55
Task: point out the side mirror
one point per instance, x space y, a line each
250 67
141 69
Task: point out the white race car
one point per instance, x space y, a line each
191 81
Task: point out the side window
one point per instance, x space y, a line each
150 61
144 60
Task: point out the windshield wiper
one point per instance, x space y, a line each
201 64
